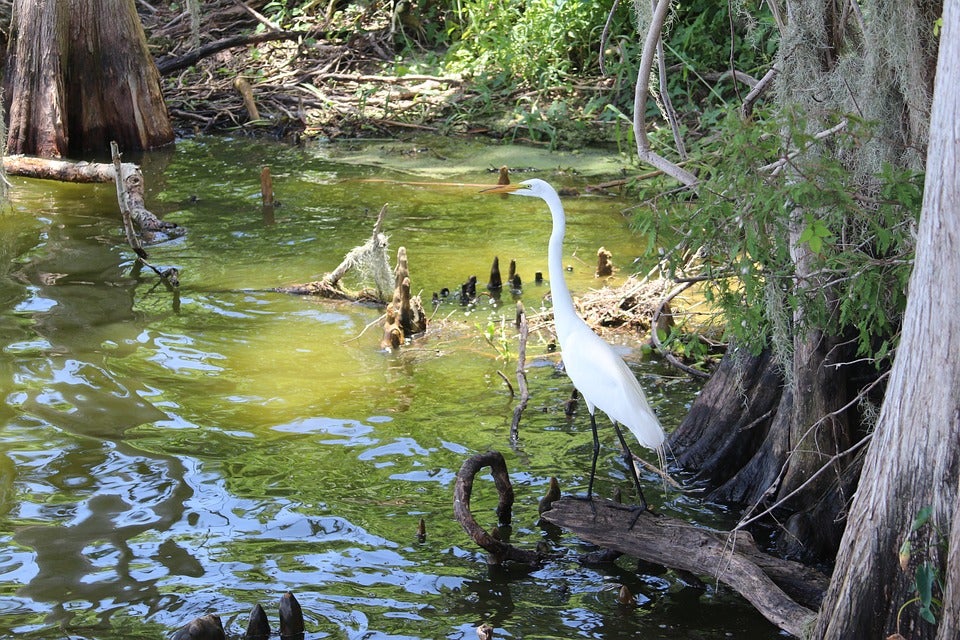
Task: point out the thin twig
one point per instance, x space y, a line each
521 374
655 338
506 381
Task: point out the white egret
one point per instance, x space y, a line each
598 373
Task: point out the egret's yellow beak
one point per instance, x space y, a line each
503 188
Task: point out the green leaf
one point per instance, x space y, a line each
816 244
923 516
924 577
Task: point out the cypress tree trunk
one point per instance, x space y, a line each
33 79
913 462
79 75
788 449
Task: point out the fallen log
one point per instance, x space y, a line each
733 559
152 229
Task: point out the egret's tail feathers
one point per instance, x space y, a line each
660 469
646 429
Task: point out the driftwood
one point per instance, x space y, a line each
735 560
786 593
152 229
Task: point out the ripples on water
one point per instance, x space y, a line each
161 463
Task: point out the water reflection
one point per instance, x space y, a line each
89 506
160 462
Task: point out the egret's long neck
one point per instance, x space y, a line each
562 301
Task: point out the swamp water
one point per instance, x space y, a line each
161 461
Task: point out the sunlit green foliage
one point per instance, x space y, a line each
540 43
756 217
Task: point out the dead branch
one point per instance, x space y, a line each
152 229
732 559
169 64
521 373
499 550
171 276
774 168
655 337
379 79
758 90
641 92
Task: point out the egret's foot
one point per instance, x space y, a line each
636 509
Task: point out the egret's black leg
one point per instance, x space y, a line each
596 453
628 458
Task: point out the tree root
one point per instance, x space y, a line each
499 550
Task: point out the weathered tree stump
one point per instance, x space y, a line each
207 627
495 284
513 279
259 627
291 618
604 263
405 315
468 290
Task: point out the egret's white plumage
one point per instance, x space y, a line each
598 373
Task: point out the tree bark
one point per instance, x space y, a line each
33 79
703 440
79 75
113 84
913 461
768 440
